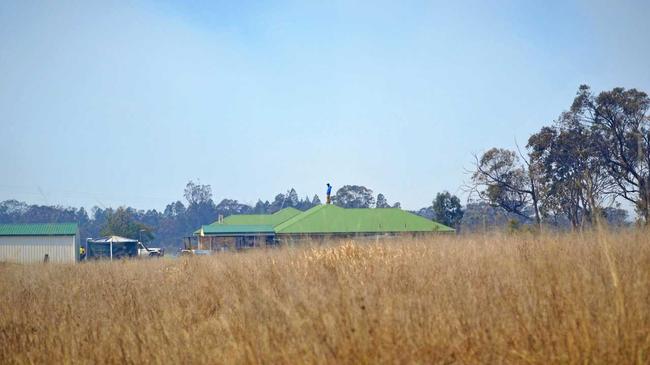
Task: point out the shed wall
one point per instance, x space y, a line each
28 249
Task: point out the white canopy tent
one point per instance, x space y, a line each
111 242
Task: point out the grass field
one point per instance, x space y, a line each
571 298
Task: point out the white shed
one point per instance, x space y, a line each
52 242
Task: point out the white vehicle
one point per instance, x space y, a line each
144 251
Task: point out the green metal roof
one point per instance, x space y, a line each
237 230
257 219
263 219
39 229
333 219
325 219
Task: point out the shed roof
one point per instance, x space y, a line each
333 219
39 229
237 230
261 219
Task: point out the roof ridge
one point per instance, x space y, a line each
285 209
245 214
300 217
267 218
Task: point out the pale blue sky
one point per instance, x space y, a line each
121 103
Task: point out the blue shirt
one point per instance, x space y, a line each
329 190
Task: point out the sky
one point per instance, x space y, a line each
122 103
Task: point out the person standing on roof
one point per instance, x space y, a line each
329 194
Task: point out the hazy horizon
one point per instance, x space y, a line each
111 104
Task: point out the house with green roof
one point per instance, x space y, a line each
49 242
241 231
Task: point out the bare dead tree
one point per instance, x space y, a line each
500 179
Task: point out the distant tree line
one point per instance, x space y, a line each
578 168
178 219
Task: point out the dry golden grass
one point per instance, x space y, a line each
573 298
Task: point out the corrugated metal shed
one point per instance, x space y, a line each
329 219
27 243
